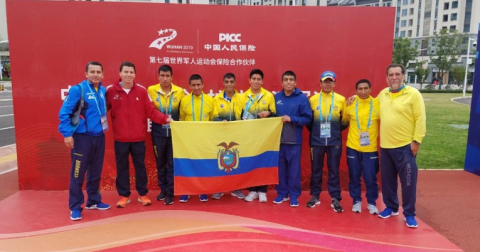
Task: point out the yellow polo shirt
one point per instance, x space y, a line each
403 117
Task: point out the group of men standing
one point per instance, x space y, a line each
325 114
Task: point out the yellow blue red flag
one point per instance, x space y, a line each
212 157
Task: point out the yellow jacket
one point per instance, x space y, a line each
228 110
353 139
264 101
206 111
403 118
162 102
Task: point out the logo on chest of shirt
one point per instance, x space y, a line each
279 102
264 102
116 97
137 99
222 106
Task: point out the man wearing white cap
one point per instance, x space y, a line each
329 120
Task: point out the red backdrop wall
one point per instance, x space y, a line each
51 41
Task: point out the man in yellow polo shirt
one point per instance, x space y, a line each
402 130
362 154
196 106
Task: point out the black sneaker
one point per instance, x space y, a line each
313 202
161 196
168 200
336 206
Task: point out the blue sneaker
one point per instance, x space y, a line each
280 199
99 206
411 222
294 202
203 198
75 215
387 212
184 198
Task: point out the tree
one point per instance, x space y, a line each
403 52
458 73
447 45
421 73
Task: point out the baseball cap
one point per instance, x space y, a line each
328 75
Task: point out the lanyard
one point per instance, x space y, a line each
96 102
251 102
320 108
169 105
369 116
201 109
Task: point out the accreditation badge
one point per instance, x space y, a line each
364 138
103 120
248 116
325 130
167 126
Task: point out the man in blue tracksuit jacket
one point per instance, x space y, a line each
86 140
294 108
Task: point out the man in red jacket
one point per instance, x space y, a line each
130 106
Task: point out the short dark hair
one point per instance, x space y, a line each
127 64
256 71
396 65
289 73
93 63
195 77
363 81
165 68
229 76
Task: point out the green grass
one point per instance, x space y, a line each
444 146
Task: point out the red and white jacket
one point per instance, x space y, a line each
129 112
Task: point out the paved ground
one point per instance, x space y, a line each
228 224
463 100
446 200
7 129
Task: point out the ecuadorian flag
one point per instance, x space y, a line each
212 157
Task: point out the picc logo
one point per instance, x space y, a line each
229 37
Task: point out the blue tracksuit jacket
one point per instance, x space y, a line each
90 123
298 108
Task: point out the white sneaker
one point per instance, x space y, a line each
262 197
357 207
372 209
251 196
